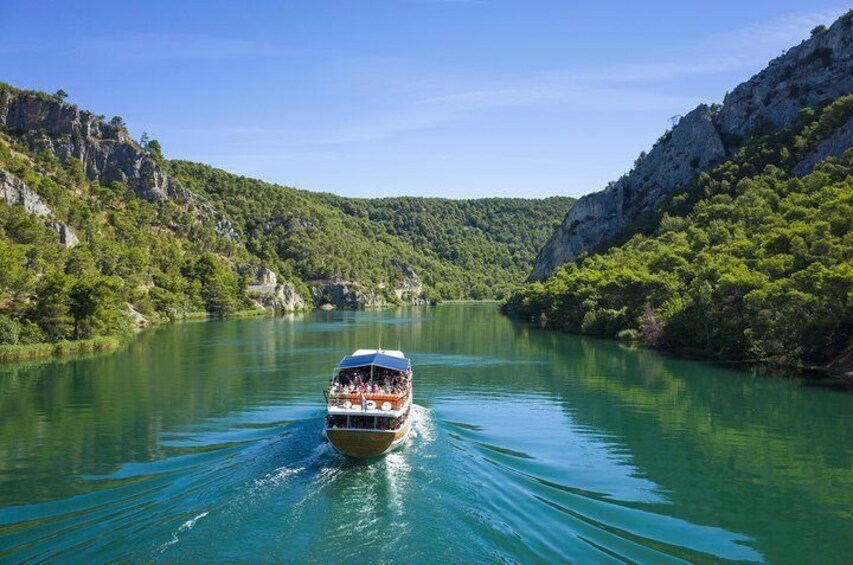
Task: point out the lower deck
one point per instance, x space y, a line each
366 442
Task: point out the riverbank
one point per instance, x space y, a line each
102 344
840 370
250 313
838 373
14 353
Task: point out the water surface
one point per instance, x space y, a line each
202 441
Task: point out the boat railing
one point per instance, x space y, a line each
395 401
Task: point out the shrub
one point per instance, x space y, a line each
10 330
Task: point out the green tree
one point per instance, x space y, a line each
50 308
95 306
10 330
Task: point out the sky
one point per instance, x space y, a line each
367 98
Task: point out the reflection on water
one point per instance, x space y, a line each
203 441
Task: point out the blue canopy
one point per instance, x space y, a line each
376 359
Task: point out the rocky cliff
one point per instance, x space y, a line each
107 154
14 191
105 150
817 71
353 295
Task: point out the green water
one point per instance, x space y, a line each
202 441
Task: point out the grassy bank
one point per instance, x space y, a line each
14 353
253 313
11 353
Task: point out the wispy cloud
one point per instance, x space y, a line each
143 48
613 87
440 111
413 95
783 31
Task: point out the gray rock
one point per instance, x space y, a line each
346 294
410 289
691 146
66 237
818 70
264 280
138 319
280 297
287 299
105 151
836 144
14 191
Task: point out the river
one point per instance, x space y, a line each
202 441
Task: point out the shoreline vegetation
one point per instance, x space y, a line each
15 353
25 352
841 375
751 263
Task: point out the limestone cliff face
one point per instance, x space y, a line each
106 152
279 297
352 295
348 295
816 71
14 191
692 146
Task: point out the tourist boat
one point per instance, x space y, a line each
369 403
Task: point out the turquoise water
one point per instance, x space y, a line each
202 441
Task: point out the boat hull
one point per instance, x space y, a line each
367 443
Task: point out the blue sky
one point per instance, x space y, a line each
454 98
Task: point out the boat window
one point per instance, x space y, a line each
366 422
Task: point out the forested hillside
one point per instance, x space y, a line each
810 75
76 255
99 231
493 240
749 260
459 248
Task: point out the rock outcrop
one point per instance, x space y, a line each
410 290
817 71
280 298
270 294
15 191
348 295
106 151
837 143
352 295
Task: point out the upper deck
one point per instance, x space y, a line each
370 382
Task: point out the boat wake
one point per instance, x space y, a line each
458 480
186 526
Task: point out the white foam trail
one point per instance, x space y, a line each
397 471
423 425
185 527
281 475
